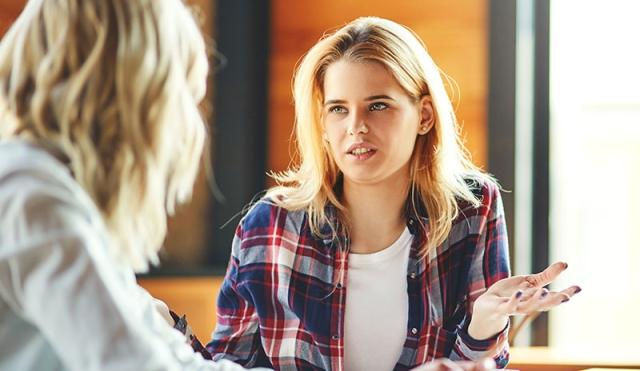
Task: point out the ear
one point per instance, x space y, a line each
427 116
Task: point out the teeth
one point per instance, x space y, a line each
360 151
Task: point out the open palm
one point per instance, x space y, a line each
525 294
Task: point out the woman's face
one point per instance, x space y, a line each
370 122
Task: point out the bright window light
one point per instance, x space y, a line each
595 172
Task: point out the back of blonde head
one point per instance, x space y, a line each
440 166
114 85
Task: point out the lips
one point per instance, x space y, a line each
360 149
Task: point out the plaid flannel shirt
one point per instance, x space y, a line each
282 303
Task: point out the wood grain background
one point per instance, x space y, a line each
455 33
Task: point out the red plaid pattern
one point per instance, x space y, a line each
282 303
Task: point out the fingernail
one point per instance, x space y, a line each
565 300
519 294
544 293
565 265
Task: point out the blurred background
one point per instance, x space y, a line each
547 94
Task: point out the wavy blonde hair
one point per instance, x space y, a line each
114 85
440 166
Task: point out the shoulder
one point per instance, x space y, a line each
266 231
31 167
486 191
38 196
473 218
268 212
269 227
27 172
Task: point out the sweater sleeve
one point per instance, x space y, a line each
58 274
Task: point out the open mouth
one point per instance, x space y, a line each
362 153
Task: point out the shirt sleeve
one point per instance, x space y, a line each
489 265
60 277
236 336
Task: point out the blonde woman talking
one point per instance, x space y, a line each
100 138
385 248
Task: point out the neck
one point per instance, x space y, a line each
376 213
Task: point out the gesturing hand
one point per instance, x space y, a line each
517 295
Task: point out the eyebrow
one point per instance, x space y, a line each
367 99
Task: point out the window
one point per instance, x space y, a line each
594 169
564 136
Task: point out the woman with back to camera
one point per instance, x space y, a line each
101 138
386 247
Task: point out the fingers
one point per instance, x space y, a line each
448 365
485 364
510 305
445 364
547 276
514 303
535 301
541 300
506 286
563 296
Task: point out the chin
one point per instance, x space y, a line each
361 177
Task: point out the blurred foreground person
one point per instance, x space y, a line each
100 139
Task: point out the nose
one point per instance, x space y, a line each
357 125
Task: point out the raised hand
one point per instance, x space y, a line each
517 295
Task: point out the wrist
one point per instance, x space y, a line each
483 327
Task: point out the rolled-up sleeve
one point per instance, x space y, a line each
490 264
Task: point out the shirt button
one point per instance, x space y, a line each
339 286
413 275
414 330
335 337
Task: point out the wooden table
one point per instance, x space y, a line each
549 359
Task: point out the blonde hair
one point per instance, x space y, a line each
440 166
114 85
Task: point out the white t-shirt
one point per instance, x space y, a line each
376 313
65 302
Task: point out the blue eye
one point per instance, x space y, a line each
337 109
378 106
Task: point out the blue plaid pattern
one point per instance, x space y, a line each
282 305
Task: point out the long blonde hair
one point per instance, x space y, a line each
114 85
440 166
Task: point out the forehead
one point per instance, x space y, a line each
357 80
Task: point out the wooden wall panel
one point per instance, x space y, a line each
455 33
9 10
193 296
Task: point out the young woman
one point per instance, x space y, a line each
101 137
386 247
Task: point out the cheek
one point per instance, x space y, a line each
333 135
334 147
404 143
